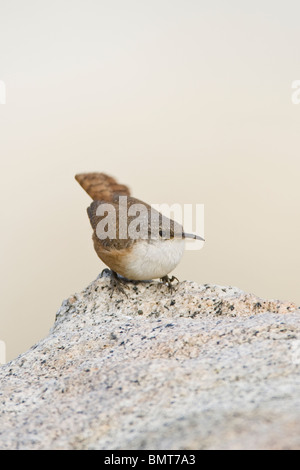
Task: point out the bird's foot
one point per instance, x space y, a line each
104 273
117 284
167 281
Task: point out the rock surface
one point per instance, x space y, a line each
205 367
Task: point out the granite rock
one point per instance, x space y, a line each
203 367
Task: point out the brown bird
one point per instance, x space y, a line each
138 247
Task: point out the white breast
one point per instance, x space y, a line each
153 260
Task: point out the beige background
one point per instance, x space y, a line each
185 101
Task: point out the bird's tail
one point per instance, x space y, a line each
101 187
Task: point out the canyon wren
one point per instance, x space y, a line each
137 258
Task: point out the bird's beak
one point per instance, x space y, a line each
191 235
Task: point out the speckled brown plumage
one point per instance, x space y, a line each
101 187
136 242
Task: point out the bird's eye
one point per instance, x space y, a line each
165 234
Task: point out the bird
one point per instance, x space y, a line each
135 247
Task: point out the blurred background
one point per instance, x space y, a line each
186 101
